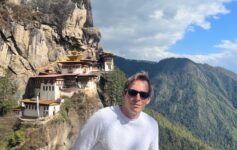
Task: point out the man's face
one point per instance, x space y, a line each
133 104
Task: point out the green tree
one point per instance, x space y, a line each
116 80
6 91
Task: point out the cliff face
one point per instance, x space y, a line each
36 33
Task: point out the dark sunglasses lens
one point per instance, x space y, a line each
132 92
143 95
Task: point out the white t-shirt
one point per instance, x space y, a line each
110 129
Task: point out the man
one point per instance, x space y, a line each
123 127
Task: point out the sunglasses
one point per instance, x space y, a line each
143 95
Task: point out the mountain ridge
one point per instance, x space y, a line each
200 97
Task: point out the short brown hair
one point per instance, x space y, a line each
143 76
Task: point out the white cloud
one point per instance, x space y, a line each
141 29
228 45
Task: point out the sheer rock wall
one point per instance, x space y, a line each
37 33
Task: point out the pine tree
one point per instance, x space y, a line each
115 86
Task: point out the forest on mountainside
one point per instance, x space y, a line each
172 135
200 97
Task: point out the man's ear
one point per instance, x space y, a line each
148 101
124 93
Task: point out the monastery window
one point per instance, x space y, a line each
52 88
109 66
49 88
46 88
45 107
70 69
51 81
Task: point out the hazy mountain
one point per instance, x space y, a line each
200 97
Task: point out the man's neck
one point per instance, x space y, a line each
129 115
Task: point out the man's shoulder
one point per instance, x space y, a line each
105 112
149 119
106 109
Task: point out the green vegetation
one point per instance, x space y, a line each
174 136
116 82
8 134
74 103
6 92
201 98
6 106
11 135
17 138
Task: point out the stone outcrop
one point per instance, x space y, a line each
35 33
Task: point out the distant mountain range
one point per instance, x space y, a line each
200 97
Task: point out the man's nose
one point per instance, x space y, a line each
138 97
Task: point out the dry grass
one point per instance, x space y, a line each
7 124
4 17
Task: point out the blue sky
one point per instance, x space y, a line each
204 41
201 30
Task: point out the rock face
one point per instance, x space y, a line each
35 33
